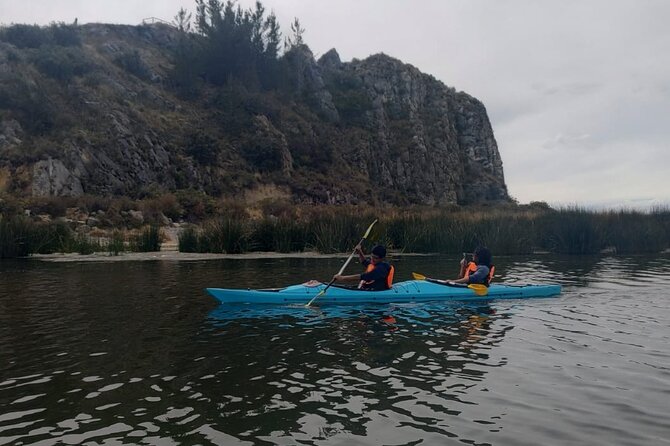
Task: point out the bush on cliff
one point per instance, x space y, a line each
61 63
34 36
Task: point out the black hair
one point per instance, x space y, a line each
379 251
483 256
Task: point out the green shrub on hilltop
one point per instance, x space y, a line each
35 36
64 34
25 36
230 43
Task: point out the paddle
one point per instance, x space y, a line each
478 288
323 291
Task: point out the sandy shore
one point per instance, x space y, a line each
185 256
173 256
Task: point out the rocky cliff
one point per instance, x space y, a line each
103 118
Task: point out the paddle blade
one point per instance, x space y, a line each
418 276
367 233
479 289
321 293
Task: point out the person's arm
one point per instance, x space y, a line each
350 278
478 276
461 272
361 254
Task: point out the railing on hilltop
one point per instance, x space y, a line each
154 20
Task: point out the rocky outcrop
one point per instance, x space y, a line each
430 144
52 178
367 131
307 81
10 131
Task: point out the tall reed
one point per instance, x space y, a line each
634 232
15 237
225 235
277 234
149 240
189 240
504 231
19 237
335 233
116 243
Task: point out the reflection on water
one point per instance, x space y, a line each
136 353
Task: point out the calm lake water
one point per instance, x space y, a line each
137 353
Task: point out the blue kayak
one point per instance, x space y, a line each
409 291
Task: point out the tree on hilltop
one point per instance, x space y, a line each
238 43
182 21
297 31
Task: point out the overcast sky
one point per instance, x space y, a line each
578 91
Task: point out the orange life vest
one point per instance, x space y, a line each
389 278
472 267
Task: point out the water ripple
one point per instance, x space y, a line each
148 359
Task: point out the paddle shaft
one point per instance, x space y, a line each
479 289
323 291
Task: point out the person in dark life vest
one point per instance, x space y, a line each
480 270
378 273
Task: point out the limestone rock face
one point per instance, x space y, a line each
430 144
330 60
10 131
51 177
308 81
367 131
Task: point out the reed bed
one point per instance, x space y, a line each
504 231
329 230
21 236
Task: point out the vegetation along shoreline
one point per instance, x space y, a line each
231 228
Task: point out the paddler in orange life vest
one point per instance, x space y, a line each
378 275
479 270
